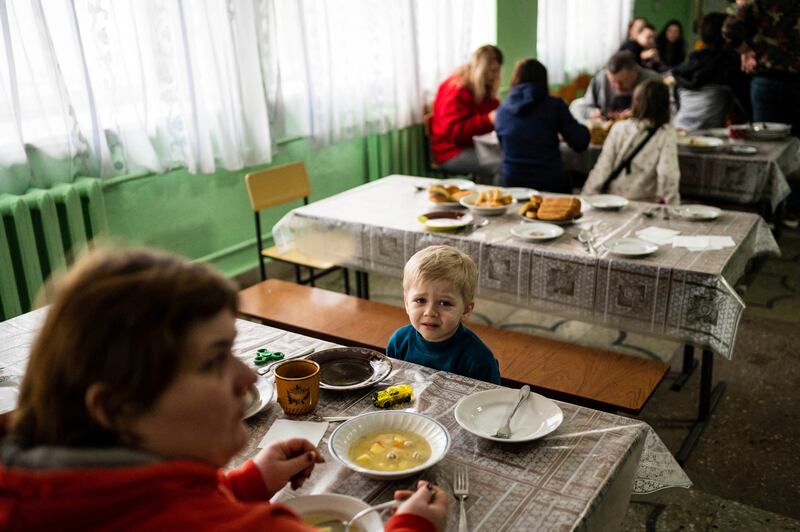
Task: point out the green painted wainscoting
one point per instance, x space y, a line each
208 217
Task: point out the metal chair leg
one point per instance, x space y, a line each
297 276
346 275
311 276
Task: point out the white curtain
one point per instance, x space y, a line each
352 67
576 36
112 87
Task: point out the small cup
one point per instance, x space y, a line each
297 383
738 133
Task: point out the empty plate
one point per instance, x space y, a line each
482 414
697 212
537 231
742 149
606 201
350 368
258 396
631 247
445 220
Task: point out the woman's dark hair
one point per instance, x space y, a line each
651 102
529 71
711 30
118 318
671 53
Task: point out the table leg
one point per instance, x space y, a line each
689 365
709 399
362 284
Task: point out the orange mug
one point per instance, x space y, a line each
297 384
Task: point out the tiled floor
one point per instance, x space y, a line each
746 468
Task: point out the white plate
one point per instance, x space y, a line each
719 132
428 428
701 144
520 193
537 231
554 222
469 203
770 130
608 202
463 184
697 212
9 394
742 149
482 414
258 396
445 220
336 506
630 247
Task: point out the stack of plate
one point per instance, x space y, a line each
770 130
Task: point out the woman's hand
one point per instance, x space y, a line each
428 501
289 460
492 115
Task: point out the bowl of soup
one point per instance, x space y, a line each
389 445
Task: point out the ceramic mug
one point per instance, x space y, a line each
297 384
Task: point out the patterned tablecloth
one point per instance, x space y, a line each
673 293
579 477
718 176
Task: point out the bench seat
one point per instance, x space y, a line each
561 370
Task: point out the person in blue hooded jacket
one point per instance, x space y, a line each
528 124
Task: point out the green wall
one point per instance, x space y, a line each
658 12
208 217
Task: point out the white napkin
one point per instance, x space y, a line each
703 243
284 429
657 235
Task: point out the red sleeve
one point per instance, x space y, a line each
247 483
408 523
460 116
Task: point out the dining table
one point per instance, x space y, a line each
720 175
581 476
679 293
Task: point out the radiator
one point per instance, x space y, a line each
40 232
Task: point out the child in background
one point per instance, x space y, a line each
438 292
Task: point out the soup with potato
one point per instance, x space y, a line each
390 451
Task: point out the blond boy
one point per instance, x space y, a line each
438 294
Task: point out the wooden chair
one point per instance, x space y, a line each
277 186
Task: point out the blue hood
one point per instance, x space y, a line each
525 96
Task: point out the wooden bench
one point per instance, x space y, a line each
584 375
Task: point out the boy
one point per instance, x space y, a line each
438 291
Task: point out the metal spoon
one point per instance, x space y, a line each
587 239
505 431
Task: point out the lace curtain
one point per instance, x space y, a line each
352 67
576 36
115 87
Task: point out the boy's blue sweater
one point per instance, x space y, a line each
527 124
463 353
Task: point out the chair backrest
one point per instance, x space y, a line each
278 185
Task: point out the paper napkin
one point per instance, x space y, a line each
284 429
703 243
657 235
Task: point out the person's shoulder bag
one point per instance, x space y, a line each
625 164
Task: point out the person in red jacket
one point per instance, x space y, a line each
464 107
132 403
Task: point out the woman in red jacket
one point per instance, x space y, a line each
132 403
464 107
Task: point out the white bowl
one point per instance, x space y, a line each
348 432
336 506
469 203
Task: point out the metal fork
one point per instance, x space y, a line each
461 491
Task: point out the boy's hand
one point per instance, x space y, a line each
428 501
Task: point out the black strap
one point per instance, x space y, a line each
625 164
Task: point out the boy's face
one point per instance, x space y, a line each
435 309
